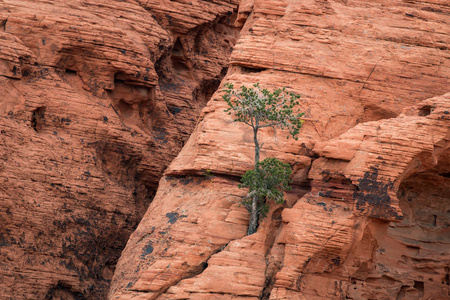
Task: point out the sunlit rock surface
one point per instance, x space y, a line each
97 97
368 214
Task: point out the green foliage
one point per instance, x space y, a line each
209 175
268 181
261 108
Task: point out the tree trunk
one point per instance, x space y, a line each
253 225
257 150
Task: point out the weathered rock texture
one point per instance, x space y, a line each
368 216
338 238
97 97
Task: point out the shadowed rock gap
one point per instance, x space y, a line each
183 65
63 291
274 257
3 24
179 71
38 118
407 245
196 271
425 204
274 263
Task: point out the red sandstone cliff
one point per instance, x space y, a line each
368 217
98 98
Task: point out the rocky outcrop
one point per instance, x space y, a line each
360 232
347 229
97 98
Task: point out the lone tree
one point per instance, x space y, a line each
260 108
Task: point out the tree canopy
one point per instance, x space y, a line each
259 108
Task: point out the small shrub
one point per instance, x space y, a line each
267 182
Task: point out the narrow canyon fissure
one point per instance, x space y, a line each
186 82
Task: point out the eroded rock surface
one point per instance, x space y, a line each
348 229
97 97
338 239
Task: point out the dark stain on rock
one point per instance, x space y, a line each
186 181
174 110
148 249
336 261
160 135
325 193
374 193
66 120
173 217
371 191
3 241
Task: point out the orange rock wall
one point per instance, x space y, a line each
97 97
367 217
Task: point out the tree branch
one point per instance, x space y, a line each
271 124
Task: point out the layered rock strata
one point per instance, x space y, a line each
360 232
347 229
97 98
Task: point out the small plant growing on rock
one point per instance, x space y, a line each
209 175
260 108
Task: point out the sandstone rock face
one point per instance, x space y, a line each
338 241
368 214
97 97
